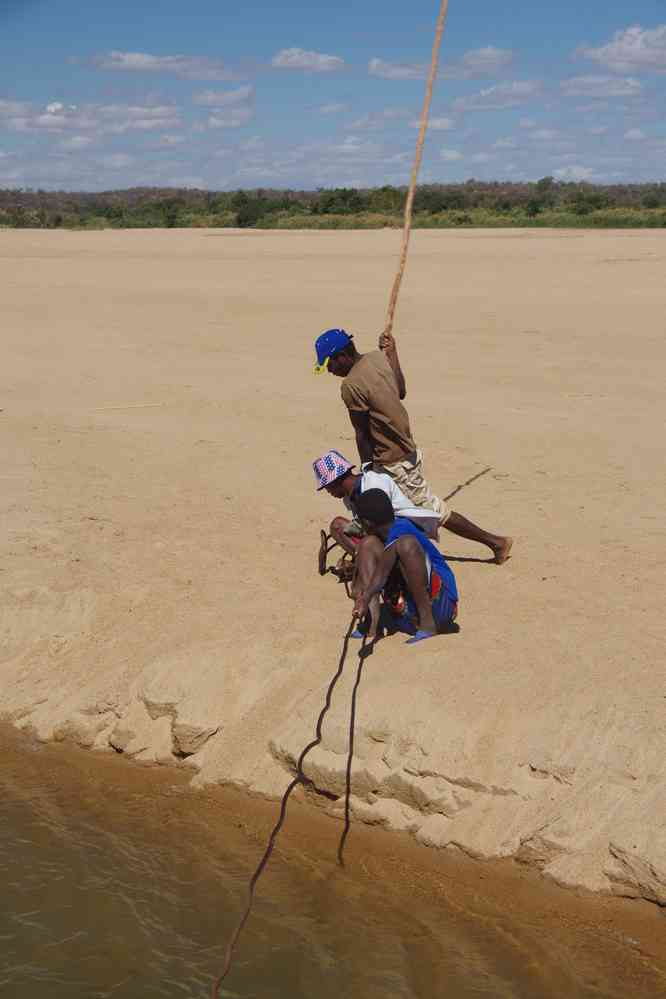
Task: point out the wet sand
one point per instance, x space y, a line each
130 882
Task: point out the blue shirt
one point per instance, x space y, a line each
435 561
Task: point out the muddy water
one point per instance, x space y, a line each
120 882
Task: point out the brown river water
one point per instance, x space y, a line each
119 881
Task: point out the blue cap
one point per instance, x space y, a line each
329 343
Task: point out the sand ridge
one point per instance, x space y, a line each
159 586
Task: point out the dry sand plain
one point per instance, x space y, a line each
159 592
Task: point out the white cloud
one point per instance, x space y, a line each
115 161
196 182
224 98
335 107
450 155
528 123
120 118
10 109
574 173
502 95
545 134
597 107
254 144
113 119
185 67
377 119
482 157
505 143
355 146
635 135
436 124
474 64
76 143
316 62
396 70
633 50
598 130
233 117
171 140
400 158
601 86
478 63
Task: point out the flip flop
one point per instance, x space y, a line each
420 636
357 633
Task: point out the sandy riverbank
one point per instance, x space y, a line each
159 591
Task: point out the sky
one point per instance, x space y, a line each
304 95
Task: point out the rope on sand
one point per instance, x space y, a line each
301 778
407 227
468 482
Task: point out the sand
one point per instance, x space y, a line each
159 586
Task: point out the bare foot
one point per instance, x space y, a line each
503 550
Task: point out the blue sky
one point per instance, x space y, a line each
296 94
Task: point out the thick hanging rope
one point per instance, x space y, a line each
301 778
407 227
350 756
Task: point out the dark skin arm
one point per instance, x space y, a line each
388 345
361 425
377 582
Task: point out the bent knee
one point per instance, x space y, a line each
407 545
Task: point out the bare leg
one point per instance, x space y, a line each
413 565
464 528
369 553
336 530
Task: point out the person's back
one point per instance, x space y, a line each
370 387
427 520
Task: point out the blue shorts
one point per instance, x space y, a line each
444 611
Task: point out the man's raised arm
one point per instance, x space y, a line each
388 345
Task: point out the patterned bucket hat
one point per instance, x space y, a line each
329 467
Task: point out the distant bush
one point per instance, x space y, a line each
496 204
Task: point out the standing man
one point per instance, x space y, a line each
373 388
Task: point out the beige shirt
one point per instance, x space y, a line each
371 387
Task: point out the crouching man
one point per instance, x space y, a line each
430 593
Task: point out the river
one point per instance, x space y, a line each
120 881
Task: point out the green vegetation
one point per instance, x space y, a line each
545 203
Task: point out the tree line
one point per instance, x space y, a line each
547 201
